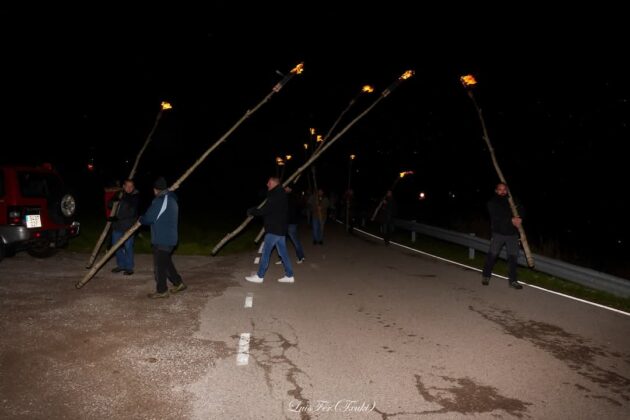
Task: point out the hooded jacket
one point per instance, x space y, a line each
162 215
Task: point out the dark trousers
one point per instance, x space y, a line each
163 268
512 247
388 229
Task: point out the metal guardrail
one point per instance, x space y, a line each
584 276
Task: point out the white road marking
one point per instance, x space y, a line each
242 357
496 275
249 300
260 249
256 260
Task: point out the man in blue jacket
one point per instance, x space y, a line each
162 217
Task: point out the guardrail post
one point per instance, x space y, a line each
413 233
471 251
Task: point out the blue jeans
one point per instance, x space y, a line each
124 254
293 235
270 242
318 230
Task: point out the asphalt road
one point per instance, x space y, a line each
366 332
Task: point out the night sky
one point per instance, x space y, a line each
553 87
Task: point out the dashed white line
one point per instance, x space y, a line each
256 260
249 300
260 249
242 357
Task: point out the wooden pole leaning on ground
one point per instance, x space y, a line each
469 83
320 150
297 70
164 106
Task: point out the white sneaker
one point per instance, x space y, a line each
254 278
278 262
301 260
286 279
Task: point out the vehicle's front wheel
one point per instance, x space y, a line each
42 250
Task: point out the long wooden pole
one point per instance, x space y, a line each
176 185
380 204
495 163
321 144
114 212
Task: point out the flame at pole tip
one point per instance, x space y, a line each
403 174
298 69
367 89
406 75
353 157
166 106
468 80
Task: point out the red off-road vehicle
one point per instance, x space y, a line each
37 211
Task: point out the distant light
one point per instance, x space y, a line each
421 196
305 146
320 138
451 194
90 167
312 131
289 157
367 89
166 105
353 157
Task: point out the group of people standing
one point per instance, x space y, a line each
162 215
281 213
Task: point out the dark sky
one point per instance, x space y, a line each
86 84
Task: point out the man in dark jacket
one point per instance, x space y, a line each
504 232
275 215
162 216
125 217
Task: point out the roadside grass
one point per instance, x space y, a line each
196 237
531 276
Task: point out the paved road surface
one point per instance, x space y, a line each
365 332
